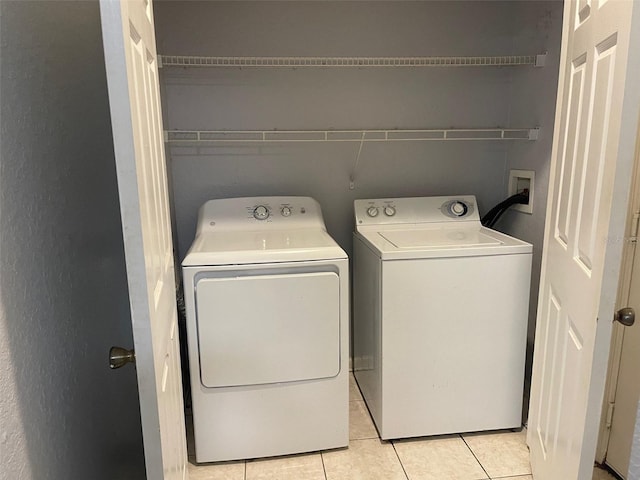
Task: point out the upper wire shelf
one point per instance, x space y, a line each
297 62
189 137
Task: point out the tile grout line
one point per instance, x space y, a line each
324 469
474 456
511 476
363 439
399 459
406 475
245 470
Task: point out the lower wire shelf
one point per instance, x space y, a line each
187 137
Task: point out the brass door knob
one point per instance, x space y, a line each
119 357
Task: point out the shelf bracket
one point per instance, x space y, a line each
534 133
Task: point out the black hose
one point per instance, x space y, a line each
492 216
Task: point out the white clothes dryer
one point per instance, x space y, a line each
440 317
266 293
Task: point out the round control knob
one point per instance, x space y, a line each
459 209
372 211
389 211
286 211
261 212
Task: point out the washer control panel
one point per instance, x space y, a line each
256 213
416 210
388 210
380 208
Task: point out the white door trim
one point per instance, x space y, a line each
628 255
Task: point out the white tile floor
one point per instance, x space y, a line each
495 455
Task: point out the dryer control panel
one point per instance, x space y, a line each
259 213
416 210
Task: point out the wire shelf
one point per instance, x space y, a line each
188 137
298 62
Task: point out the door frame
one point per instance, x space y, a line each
622 300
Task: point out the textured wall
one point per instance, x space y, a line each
533 97
342 99
63 296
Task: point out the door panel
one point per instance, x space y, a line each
594 159
268 328
591 167
132 78
576 92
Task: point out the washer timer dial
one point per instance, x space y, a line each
261 212
389 210
459 209
373 211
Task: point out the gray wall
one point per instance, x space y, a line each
63 294
533 98
344 98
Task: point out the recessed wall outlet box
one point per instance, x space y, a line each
519 181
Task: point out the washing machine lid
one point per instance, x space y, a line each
439 238
263 246
444 240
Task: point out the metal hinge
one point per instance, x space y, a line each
609 414
633 234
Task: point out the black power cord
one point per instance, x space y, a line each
492 216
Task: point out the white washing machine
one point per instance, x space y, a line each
266 293
440 317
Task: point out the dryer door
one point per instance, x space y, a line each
262 329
